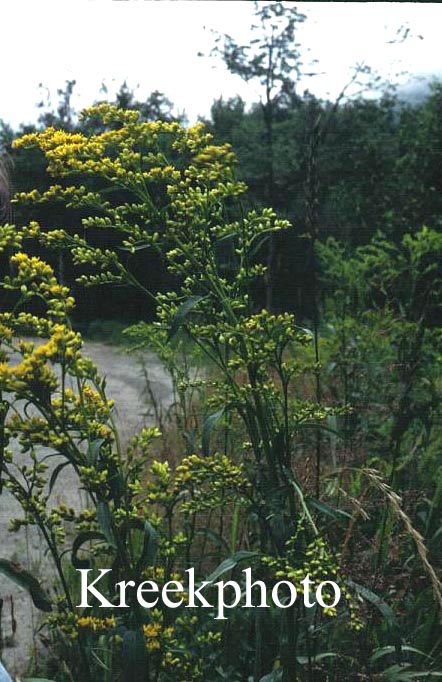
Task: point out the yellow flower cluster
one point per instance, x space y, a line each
96 624
31 267
35 278
151 632
63 345
157 636
114 154
32 371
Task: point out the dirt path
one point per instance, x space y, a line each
126 384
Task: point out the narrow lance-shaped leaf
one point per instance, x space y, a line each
77 544
182 313
208 427
58 469
324 508
230 563
150 540
24 579
105 520
383 608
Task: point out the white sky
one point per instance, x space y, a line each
154 44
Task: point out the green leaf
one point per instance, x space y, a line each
86 536
261 237
208 427
324 508
313 425
303 660
216 538
116 484
305 330
93 451
301 497
332 423
274 676
105 521
137 247
23 578
134 655
230 563
401 673
383 608
225 237
55 474
149 545
98 660
235 526
182 313
387 650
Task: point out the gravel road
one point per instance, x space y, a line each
126 384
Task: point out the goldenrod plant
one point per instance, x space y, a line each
161 187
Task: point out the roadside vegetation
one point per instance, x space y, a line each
296 305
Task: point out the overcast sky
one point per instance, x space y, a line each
154 45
